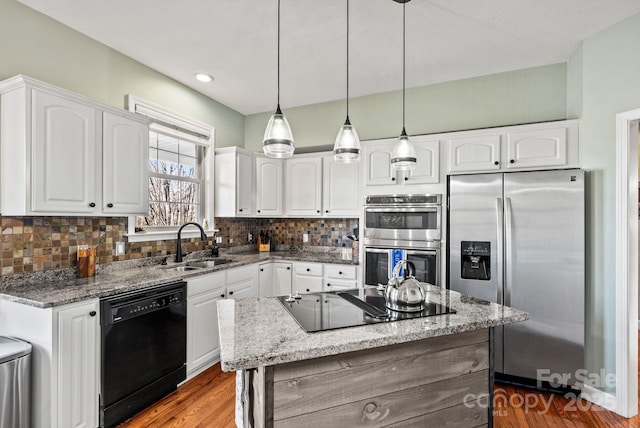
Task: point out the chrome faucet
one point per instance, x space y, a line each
203 236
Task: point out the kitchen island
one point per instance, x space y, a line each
411 372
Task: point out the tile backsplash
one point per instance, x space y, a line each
41 243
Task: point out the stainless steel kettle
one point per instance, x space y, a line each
404 294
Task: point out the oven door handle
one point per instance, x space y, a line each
377 250
403 209
433 252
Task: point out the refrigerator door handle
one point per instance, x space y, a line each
508 244
500 249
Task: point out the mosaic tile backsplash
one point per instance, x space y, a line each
32 244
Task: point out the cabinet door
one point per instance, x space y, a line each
341 188
265 280
282 279
66 160
242 289
269 186
244 184
377 158
303 186
537 148
78 365
427 168
125 174
474 153
203 341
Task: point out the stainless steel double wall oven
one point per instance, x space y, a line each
400 227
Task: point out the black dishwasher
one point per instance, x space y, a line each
144 349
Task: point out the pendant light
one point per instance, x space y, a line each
278 139
347 146
403 157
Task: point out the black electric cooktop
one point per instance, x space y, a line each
349 308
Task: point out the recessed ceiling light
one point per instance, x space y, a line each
204 77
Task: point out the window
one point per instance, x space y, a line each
175 181
180 173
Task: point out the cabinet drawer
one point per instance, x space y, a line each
238 274
307 284
308 269
204 283
339 284
340 271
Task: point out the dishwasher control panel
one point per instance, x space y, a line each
147 301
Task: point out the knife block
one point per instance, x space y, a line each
263 246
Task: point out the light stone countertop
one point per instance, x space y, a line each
55 288
261 332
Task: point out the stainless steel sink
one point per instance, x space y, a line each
181 268
207 263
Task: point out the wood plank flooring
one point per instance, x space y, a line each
209 399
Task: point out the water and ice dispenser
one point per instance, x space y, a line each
476 260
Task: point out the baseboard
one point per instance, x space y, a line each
603 399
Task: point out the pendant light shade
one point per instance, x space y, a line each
347 146
403 157
278 138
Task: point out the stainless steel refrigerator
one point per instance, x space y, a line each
518 239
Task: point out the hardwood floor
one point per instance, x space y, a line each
209 399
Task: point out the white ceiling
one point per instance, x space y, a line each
235 41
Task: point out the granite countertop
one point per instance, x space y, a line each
54 288
261 332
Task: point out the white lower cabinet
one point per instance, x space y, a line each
203 293
275 279
340 277
242 282
64 360
77 364
307 277
203 342
282 278
265 279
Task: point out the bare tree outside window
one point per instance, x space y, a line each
175 181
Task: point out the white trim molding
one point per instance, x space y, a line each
194 131
626 311
603 399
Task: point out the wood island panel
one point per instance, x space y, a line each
400 385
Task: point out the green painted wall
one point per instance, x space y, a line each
38 46
610 75
522 96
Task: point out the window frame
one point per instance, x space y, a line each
201 134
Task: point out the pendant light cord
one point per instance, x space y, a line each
278 95
404 38
347 59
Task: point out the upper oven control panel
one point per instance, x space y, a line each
403 199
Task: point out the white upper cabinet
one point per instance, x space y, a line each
427 168
64 154
340 188
269 186
378 170
377 158
525 147
234 183
473 153
303 186
125 176
536 148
